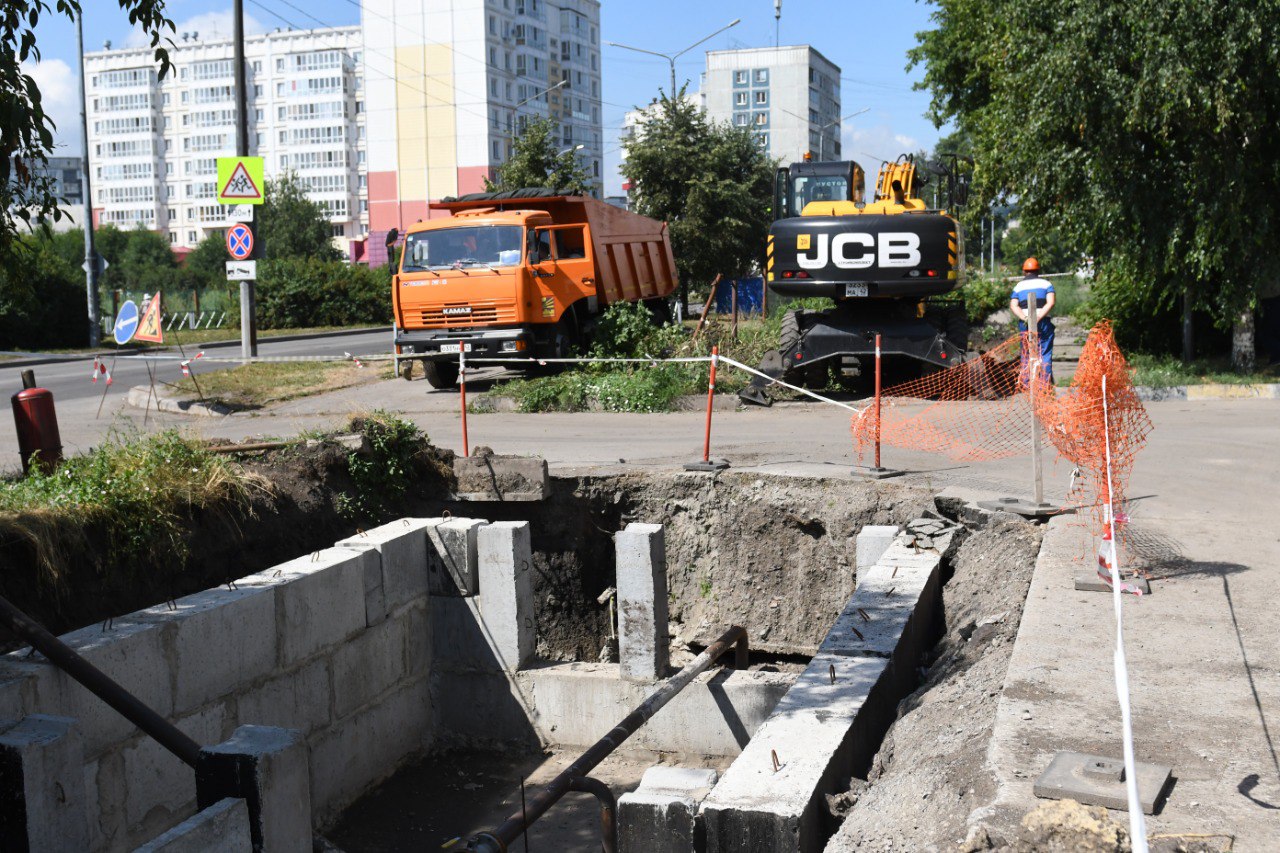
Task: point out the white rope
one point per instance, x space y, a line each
804 391
1137 821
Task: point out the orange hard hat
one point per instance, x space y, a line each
1031 265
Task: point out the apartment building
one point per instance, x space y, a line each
154 143
788 96
451 83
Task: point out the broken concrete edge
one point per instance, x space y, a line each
487 476
223 826
143 396
1207 391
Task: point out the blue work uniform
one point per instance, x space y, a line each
1034 284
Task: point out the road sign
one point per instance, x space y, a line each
149 326
242 270
240 213
240 242
126 322
240 180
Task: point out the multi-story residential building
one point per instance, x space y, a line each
451 83
789 96
65 172
154 143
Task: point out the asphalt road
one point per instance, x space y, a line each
71 380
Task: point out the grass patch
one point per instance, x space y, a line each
383 474
261 383
1166 371
135 493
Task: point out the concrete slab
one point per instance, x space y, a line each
489 477
506 590
659 816
221 828
269 768
452 556
641 561
42 791
871 542
1097 780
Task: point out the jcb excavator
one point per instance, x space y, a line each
884 262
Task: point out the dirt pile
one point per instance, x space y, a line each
930 772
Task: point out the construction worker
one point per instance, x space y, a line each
1032 284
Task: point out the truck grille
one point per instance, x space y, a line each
448 316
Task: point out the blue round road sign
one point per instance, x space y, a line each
126 322
240 242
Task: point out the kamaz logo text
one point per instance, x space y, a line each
859 251
458 309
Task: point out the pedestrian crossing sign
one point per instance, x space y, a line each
149 326
240 180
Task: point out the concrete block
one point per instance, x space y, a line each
885 601
42 795
642 601
367 666
130 653
485 710
659 817
353 756
319 600
221 828
506 590
1097 780
219 639
460 639
417 640
298 699
269 768
403 546
452 556
161 789
18 687
872 541
489 477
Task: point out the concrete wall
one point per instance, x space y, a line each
335 644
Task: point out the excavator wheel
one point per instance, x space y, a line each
788 341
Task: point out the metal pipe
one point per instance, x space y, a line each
496 841
608 809
99 684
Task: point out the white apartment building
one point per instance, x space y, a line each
789 96
451 83
154 143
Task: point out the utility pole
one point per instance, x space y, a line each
90 256
248 325
777 23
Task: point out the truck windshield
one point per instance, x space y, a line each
464 246
819 188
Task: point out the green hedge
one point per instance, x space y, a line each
303 292
42 300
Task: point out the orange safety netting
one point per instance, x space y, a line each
982 409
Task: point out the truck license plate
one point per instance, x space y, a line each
455 348
855 290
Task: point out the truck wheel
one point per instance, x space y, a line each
441 374
788 342
955 327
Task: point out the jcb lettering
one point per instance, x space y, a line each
857 251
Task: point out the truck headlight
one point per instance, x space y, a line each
513 346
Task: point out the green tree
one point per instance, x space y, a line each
1050 247
291 225
26 132
42 301
710 182
1143 132
538 161
206 264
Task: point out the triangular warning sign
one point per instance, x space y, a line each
240 185
149 326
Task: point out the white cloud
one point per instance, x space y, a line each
871 145
210 25
60 96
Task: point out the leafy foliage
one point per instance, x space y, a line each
1054 251
710 182
382 476
26 134
299 292
1141 132
291 225
42 298
538 161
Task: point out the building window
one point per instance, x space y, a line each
761 119
739 99
257 66
259 115
740 119
762 97
740 78
280 64
191 236
173 235
762 75
257 91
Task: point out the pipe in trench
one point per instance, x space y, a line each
496 841
608 809
99 683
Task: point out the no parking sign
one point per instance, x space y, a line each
240 242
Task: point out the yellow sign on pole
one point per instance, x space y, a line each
149 326
240 180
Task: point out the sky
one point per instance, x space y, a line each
868 40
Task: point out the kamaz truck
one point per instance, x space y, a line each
889 264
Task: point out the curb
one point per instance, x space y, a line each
58 359
1207 391
141 396
486 404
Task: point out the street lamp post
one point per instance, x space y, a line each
672 57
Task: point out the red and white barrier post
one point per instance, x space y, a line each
462 395
706 463
877 471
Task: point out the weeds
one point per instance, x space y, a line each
1166 371
135 493
382 475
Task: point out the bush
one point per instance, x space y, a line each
304 292
985 295
42 299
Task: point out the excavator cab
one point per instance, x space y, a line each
797 185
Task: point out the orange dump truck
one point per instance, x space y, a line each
521 276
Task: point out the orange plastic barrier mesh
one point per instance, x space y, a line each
981 409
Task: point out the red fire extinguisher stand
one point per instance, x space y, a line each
37 424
